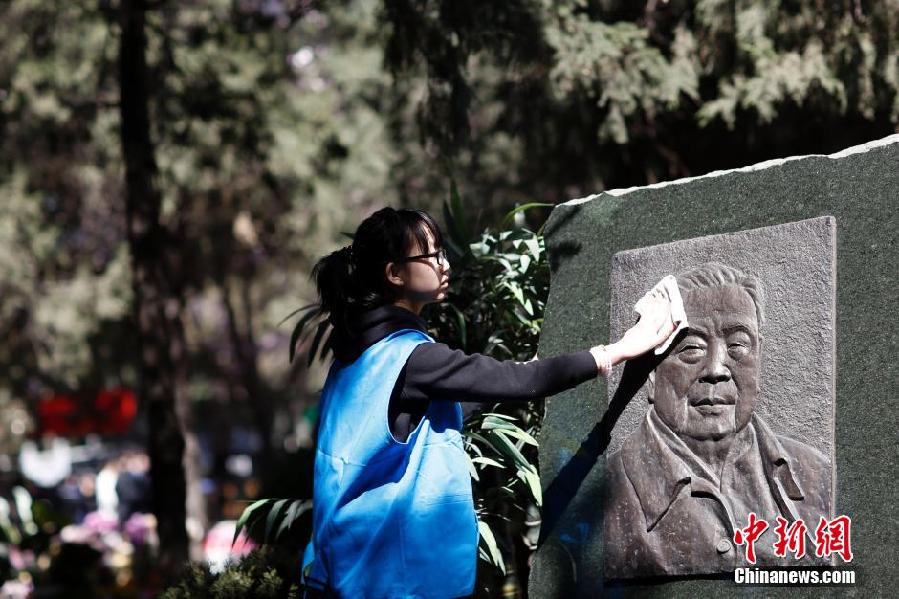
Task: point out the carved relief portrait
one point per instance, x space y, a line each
701 457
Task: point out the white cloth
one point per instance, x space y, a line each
667 287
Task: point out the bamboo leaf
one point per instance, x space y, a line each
471 469
489 540
459 214
487 462
496 424
287 521
455 252
245 518
532 479
521 435
525 261
460 324
458 235
485 442
504 445
529 307
498 415
272 519
509 218
297 508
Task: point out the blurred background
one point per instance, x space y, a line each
170 172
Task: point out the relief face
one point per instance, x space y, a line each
702 459
706 388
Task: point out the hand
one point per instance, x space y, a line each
651 331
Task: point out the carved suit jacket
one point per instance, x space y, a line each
667 513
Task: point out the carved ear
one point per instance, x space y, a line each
651 385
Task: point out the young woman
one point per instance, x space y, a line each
393 513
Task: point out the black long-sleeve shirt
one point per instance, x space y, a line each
434 372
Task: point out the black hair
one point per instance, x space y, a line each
352 280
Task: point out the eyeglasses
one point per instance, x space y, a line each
439 254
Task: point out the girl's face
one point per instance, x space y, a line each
421 278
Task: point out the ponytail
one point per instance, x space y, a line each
337 287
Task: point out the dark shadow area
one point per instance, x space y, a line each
619 587
559 217
563 250
566 484
644 581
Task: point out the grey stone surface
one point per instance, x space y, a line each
860 189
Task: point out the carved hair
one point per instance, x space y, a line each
715 274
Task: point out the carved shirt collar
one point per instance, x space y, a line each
666 465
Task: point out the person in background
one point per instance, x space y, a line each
107 478
133 486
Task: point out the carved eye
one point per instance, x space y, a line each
691 351
737 350
738 345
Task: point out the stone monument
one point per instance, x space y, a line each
782 401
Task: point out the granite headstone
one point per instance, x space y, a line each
857 193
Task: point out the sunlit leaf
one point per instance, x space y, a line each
509 218
498 415
471 468
533 481
487 462
489 541
249 514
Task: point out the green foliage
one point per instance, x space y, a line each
268 132
495 307
274 521
538 98
266 573
498 286
32 528
760 56
617 64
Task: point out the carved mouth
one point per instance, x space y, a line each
713 409
711 401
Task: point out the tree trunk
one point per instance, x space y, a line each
156 304
246 354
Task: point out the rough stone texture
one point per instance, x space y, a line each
860 189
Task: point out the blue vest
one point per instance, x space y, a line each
390 519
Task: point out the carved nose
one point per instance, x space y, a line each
716 371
